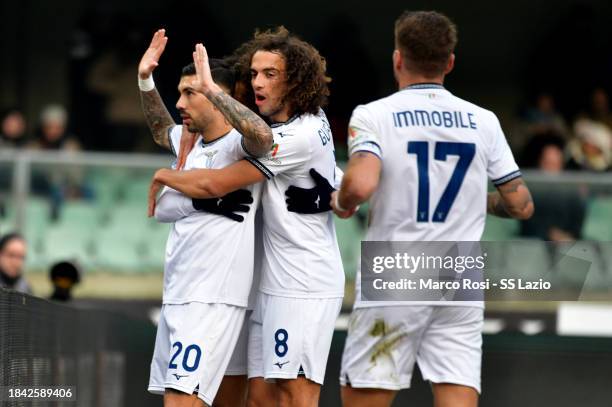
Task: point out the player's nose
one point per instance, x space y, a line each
257 82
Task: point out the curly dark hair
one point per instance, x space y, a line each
426 39
307 89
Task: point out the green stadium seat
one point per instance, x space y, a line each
137 190
155 241
80 213
118 249
500 229
598 222
68 241
350 234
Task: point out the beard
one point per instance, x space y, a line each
272 110
194 129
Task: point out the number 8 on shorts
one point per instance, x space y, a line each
280 337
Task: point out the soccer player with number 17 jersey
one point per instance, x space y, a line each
422 156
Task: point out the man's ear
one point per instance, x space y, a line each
450 65
398 63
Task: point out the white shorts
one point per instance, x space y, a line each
291 336
383 343
238 363
193 347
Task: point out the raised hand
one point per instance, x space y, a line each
150 59
204 81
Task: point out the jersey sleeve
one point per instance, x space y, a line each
363 134
287 153
236 148
174 138
172 206
501 166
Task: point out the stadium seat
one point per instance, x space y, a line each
349 233
598 222
68 241
83 214
136 190
500 229
119 249
155 241
37 219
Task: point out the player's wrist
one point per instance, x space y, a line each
146 84
210 88
337 203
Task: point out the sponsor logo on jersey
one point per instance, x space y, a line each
178 376
280 364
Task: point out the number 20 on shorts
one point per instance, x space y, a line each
189 350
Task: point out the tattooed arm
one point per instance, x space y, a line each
158 117
257 135
512 200
156 114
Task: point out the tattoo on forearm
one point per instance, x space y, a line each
257 134
495 206
516 200
158 117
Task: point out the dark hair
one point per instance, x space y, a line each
6 239
532 152
222 72
426 40
307 89
4 113
65 269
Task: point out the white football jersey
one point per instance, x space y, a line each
437 152
302 259
209 258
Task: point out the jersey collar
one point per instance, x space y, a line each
423 85
278 124
205 144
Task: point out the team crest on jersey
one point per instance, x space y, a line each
271 156
210 158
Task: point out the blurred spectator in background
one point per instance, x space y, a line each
12 260
543 118
561 208
112 76
57 183
13 130
600 107
591 147
540 118
53 133
64 276
12 135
